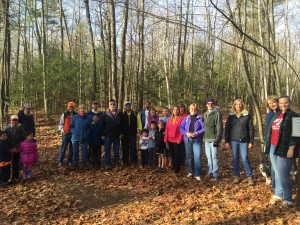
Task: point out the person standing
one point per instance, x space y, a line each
94 111
64 128
239 137
281 146
16 134
25 116
143 116
80 129
174 138
129 135
272 105
213 127
112 128
192 129
96 141
165 115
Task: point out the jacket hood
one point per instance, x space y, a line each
244 112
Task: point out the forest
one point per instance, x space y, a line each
166 51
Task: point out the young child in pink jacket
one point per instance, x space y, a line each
30 155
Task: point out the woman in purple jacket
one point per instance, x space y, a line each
192 129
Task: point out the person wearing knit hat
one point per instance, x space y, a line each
213 126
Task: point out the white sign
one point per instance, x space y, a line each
296 126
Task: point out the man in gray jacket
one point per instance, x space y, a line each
213 125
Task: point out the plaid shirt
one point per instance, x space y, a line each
285 135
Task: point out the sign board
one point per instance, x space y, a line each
296 126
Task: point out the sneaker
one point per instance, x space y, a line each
107 167
189 175
70 164
250 181
275 199
60 164
236 180
214 179
198 178
24 176
288 203
28 176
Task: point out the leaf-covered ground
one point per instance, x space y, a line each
135 195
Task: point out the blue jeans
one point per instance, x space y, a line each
238 148
66 140
83 153
194 157
116 146
212 159
283 182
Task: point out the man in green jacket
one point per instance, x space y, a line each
213 125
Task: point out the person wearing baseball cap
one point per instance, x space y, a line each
129 133
64 127
16 134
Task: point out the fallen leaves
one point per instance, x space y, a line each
136 196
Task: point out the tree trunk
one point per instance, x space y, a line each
114 72
87 10
44 50
123 55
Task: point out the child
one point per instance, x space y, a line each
161 145
96 140
5 159
29 154
144 139
151 144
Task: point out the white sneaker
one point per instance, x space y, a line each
275 199
198 178
288 203
189 175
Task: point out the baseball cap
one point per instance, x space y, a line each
14 117
127 103
209 100
71 104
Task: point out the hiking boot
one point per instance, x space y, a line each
288 203
236 180
275 199
250 181
60 164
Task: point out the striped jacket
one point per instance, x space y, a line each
285 135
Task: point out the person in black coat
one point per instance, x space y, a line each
26 118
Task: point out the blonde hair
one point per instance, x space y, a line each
81 106
194 105
272 98
172 117
235 102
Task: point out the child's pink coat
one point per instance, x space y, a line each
29 152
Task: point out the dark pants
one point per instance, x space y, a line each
15 165
129 149
152 157
5 173
95 154
182 154
175 151
144 156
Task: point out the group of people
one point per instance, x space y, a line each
17 143
164 141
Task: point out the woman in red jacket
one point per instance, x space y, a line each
173 137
